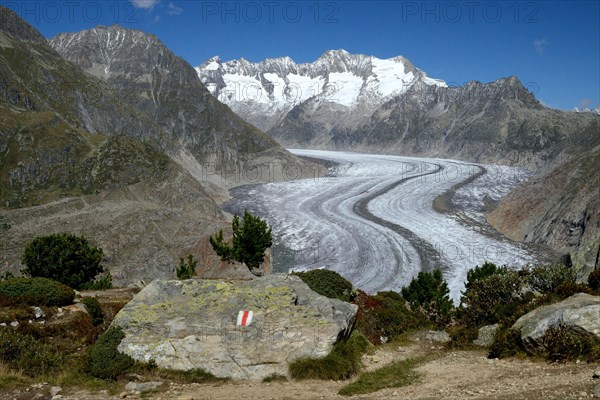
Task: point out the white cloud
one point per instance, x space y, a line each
540 45
145 4
173 9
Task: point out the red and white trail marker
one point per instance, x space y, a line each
244 318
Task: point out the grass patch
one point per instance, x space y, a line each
327 283
343 361
193 376
564 342
75 377
35 292
398 374
11 379
25 353
275 378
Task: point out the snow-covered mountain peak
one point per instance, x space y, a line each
264 92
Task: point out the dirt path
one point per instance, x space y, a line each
449 375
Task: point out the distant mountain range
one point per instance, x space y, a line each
358 102
353 84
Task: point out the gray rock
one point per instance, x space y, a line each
596 374
596 391
485 337
54 390
37 312
580 311
14 324
191 324
438 336
142 386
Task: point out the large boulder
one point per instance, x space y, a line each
485 335
191 324
580 311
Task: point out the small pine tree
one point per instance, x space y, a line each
251 238
64 257
187 267
478 273
429 293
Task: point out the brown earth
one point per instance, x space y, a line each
449 374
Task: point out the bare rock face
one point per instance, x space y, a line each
485 335
580 311
560 208
191 324
150 77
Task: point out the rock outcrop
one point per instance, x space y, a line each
191 324
485 335
580 311
559 208
151 78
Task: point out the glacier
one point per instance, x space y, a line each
372 219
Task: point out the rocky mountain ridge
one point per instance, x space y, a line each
87 154
264 92
198 130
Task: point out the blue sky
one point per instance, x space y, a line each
553 47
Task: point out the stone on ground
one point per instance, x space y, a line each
194 324
580 311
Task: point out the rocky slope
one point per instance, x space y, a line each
352 85
499 122
76 155
147 75
559 208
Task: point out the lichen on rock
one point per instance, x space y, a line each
191 324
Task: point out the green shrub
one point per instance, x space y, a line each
507 343
494 299
64 257
104 361
429 293
102 283
393 316
327 283
343 361
594 279
93 308
568 289
35 292
275 378
478 273
564 342
462 335
187 267
397 374
547 278
26 354
251 238
6 276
